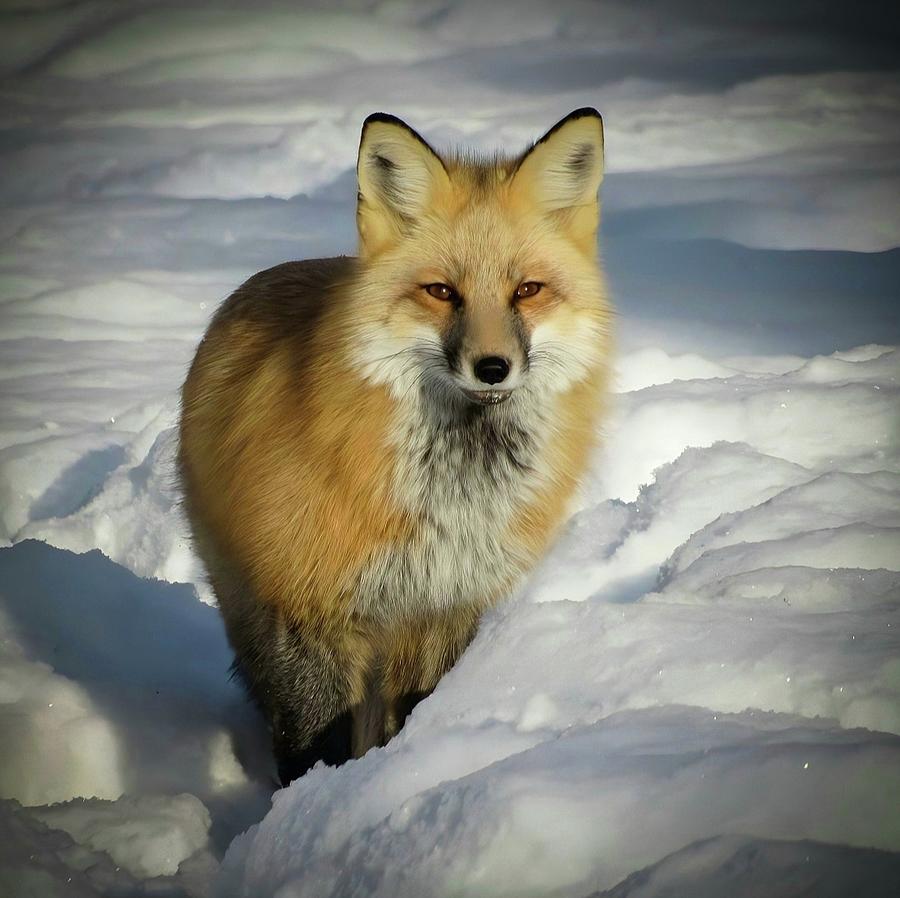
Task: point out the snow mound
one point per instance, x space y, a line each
37 861
717 623
742 867
565 814
134 518
705 663
148 835
113 685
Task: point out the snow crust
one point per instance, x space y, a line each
698 691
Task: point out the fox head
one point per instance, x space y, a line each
479 279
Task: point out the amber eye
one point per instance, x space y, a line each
441 291
529 288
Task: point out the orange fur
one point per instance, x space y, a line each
284 465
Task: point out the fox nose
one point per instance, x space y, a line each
491 369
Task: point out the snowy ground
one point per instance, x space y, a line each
699 691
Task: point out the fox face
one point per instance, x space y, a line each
479 281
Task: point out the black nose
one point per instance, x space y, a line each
491 369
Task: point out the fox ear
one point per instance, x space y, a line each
563 170
398 174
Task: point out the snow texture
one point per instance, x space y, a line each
698 691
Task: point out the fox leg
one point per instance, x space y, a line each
419 652
333 702
368 721
312 685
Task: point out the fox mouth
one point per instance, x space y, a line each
488 397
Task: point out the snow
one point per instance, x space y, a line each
37 861
743 867
147 835
698 691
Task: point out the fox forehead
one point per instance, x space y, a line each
480 248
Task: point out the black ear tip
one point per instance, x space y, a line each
388 119
383 117
583 112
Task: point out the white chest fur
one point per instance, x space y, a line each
464 479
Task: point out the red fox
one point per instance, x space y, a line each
376 449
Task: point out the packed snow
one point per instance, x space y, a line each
697 692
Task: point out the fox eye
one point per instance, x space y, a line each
529 288
441 291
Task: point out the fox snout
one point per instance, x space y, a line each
492 374
487 351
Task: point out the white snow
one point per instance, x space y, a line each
148 835
698 691
718 655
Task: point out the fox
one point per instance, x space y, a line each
376 449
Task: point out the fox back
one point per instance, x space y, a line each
376 449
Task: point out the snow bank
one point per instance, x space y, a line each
116 689
144 657
37 861
147 835
132 513
704 667
742 867
240 102
715 656
565 814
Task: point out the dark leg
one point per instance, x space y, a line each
306 686
306 676
396 714
403 707
332 745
